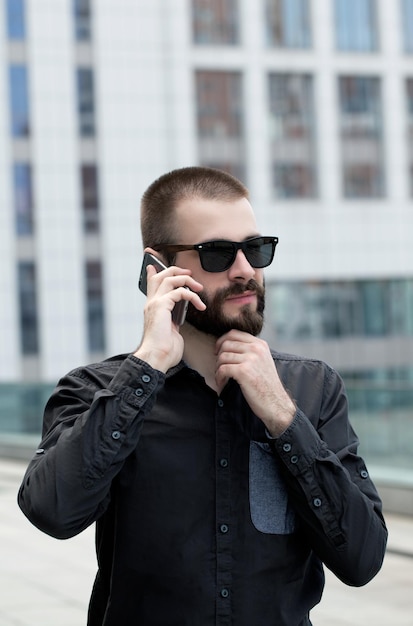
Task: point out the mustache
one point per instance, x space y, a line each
238 289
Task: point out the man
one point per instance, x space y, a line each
220 474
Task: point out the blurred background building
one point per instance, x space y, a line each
309 102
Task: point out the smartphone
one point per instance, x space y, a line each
180 308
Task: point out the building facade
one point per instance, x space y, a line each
309 102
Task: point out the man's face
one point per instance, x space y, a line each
235 297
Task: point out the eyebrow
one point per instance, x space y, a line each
225 238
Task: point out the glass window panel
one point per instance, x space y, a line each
362 181
90 198
220 120
215 21
409 94
15 10
95 306
19 101
288 23
29 331
398 307
86 102
361 136
407 22
322 310
23 198
409 299
356 25
82 19
381 404
293 181
292 133
374 309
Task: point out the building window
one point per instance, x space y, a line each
29 331
361 137
95 306
19 101
409 95
292 133
15 12
215 22
23 198
82 20
90 198
407 22
288 23
356 25
86 102
331 310
220 121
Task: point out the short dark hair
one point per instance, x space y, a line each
162 196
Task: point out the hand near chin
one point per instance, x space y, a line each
248 360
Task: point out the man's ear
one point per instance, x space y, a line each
156 254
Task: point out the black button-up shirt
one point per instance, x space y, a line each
202 519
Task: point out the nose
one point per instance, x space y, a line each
241 270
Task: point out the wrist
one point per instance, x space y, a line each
283 418
153 358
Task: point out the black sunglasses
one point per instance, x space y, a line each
218 256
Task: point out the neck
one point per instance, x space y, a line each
199 353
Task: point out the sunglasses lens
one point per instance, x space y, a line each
217 256
260 252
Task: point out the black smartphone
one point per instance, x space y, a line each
180 308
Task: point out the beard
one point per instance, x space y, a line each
214 322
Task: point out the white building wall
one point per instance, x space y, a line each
56 183
145 128
146 124
131 150
9 325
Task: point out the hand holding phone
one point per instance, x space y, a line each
180 308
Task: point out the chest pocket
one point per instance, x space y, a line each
269 507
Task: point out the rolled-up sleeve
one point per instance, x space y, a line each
328 482
91 424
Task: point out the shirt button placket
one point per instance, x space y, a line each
223 508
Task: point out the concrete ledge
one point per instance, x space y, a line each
395 486
18 447
396 499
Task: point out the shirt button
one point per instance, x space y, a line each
317 502
287 447
224 528
220 403
139 392
364 474
294 459
223 462
146 378
224 593
116 434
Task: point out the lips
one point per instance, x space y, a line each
245 296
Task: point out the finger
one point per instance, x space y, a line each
183 293
234 335
220 379
169 279
234 347
230 370
230 358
